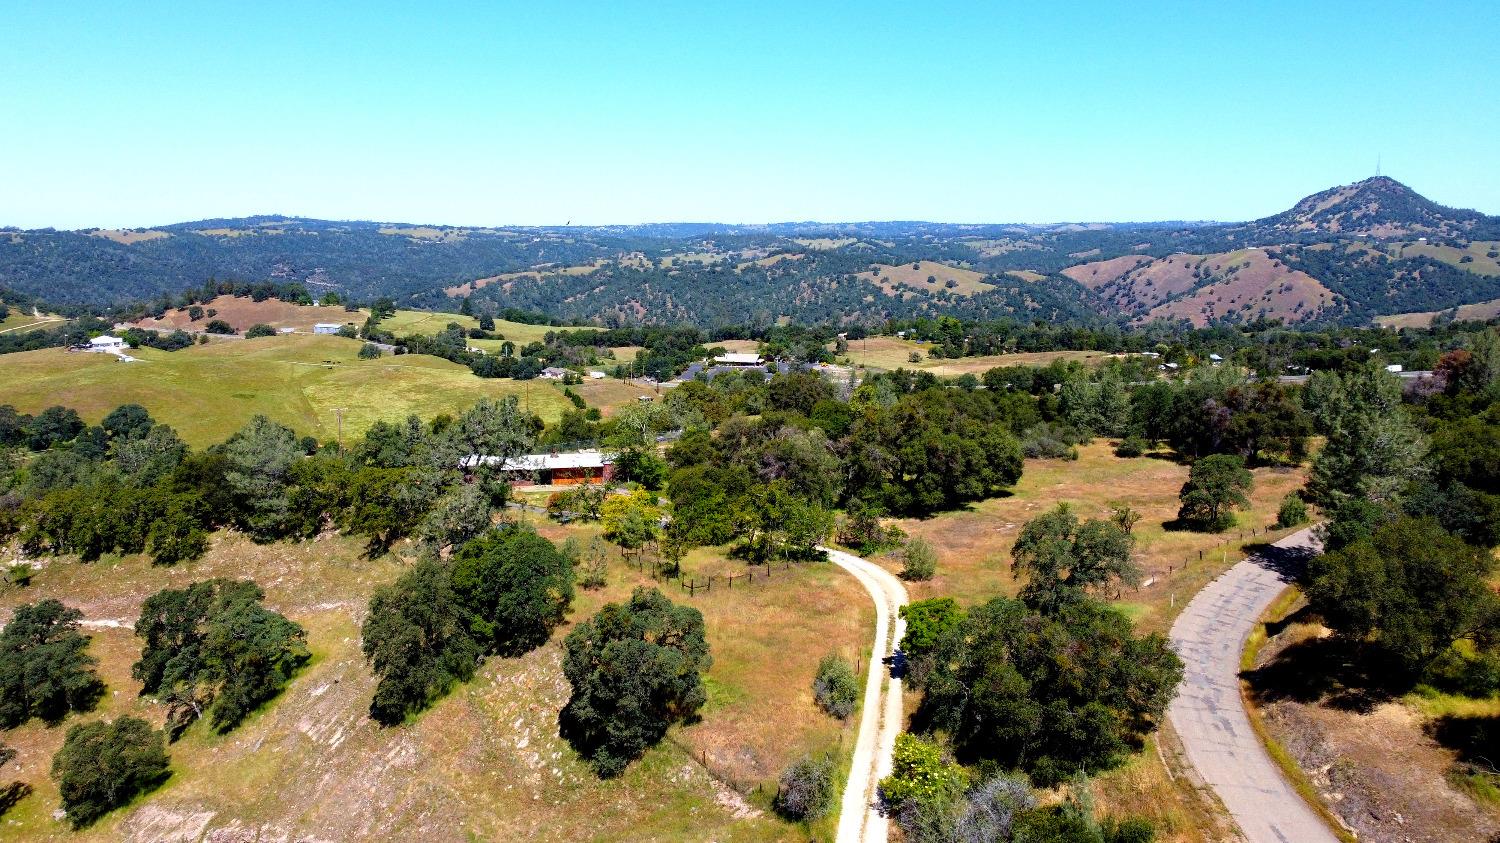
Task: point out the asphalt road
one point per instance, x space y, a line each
881 715
1209 713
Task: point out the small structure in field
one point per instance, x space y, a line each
107 343
553 373
557 469
327 328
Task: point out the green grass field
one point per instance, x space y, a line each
208 392
21 320
427 323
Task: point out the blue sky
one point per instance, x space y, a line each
120 114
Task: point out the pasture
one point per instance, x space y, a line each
304 381
890 353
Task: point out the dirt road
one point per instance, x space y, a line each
880 717
1209 713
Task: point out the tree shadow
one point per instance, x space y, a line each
1476 738
1288 562
12 794
1329 671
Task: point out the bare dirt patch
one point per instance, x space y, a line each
1374 761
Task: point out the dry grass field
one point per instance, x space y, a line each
486 762
304 381
973 550
128 236
242 311
1480 311
966 282
1478 253
889 353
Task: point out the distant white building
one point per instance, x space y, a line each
735 358
596 374
285 330
327 328
1394 368
552 373
105 342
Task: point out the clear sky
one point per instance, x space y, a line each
134 114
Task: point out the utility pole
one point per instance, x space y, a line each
339 411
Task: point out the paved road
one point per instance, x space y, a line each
1209 713
881 715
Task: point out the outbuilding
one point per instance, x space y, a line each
105 342
735 358
327 328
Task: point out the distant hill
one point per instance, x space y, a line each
1347 254
1378 207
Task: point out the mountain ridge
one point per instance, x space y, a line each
1344 254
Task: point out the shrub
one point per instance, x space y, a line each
369 351
259 330
806 789
1292 511
218 326
102 766
835 687
920 773
1050 441
920 561
1130 447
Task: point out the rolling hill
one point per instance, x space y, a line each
1347 254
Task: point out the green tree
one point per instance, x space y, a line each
213 649
515 588
1049 694
102 766
127 421
387 504
631 520
259 330
417 640
459 515
1216 486
44 669
52 427
258 463
1409 589
1063 560
635 669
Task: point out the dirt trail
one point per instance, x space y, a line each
1209 712
881 715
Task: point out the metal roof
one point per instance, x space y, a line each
545 462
